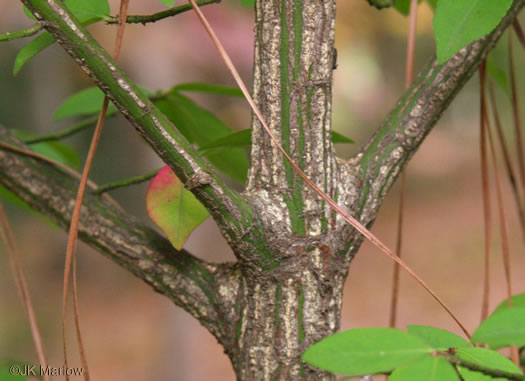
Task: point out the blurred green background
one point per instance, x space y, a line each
132 333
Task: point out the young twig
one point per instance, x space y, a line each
409 75
73 229
13 255
132 19
349 218
31 31
145 19
127 182
67 132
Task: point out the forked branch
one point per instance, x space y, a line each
394 143
228 209
190 282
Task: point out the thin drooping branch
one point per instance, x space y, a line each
131 19
127 182
394 143
145 19
31 31
190 282
227 207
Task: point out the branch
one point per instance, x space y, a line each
144 19
31 31
227 207
136 19
495 373
190 282
127 182
388 151
62 134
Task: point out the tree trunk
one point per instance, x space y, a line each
279 318
293 251
295 299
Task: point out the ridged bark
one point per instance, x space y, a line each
286 307
285 291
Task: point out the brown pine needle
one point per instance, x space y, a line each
506 157
485 191
516 115
409 74
13 255
519 32
73 229
503 229
349 218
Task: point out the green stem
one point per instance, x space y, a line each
127 182
232 213
135 19
21 33
144 19
62 134
496 373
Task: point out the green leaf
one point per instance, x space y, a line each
497 74
173 208
432 3
470 375
243 139
31 49
502 329
438 339
209 88
403 6
486 358
366 351
84 102
459 22
428 369
9 370
58 151
168 3
248 3
201 127
29 14
87 101
87 12
380 4
517 301
340 138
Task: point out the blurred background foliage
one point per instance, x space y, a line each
132 333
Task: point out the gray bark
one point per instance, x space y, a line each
285 291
